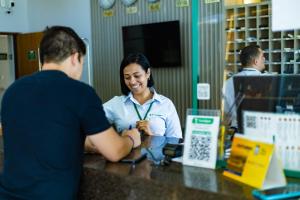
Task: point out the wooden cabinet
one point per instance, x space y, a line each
27 53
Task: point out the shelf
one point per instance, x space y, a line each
288 50
275 63
250 24
240 41
287 38
276 51
264 16
230 30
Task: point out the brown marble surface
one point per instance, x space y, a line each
105 180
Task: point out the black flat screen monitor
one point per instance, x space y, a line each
266 93
159 42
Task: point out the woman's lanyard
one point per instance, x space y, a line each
138 113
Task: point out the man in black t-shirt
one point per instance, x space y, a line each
46 117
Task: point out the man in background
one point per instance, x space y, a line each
46 117
253 63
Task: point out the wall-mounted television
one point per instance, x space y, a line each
159 42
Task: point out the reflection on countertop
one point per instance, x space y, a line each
148 180
106 180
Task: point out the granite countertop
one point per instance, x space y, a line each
150 180
105 180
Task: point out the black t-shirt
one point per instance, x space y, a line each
45 118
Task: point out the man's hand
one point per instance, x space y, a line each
135 135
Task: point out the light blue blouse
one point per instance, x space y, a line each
163 118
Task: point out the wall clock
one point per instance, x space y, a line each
128 2
106 4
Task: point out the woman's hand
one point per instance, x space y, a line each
144 126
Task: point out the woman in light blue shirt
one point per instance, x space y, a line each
140 105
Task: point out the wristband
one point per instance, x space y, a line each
131 141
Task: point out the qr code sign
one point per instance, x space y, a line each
200 148
251 121
203 91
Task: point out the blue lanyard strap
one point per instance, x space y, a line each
138 113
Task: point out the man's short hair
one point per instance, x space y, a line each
248 54
58 43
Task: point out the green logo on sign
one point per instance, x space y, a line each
202 120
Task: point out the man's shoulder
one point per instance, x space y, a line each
82 85
23 81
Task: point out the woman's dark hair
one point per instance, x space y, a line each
139 59
58 43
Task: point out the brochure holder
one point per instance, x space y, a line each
201 138
254 163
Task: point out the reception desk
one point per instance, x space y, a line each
151 180
105 180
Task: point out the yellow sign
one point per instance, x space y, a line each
253 162
154 6
131 10
108 13
182 3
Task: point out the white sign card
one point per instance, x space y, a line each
201 138
285 15
282 129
